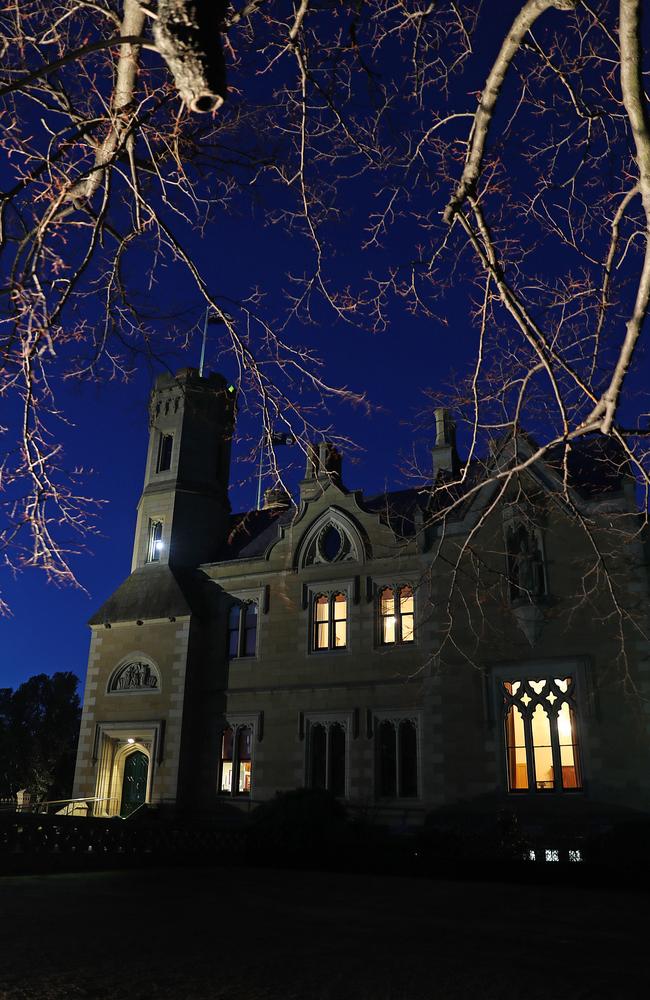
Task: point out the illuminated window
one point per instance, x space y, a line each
154 540
326 757
165 445
397 759
242 629
329 621
396 615
236 761
540 734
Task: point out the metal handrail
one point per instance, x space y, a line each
43 806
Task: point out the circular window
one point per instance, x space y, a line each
330 543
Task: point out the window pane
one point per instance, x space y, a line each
406 601
321 610
244 743
317 757
387 785
330 543
244 785
226 777
568 749
155 544
407 628
226 745
321 637
408 777
340 608
165 453
516 744
233 631
250 629
225 784
388 629
337 760
542 750
387 601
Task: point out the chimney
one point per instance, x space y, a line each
323 467
444 454
276 498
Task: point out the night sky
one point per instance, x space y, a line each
107 435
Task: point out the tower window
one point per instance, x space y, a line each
165 446
396 615
329 622
154 540
242 629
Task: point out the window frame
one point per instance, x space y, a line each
328 720
164 436
581 703
237 723
331 593
396 589
242 606
396 717
153 552
239 598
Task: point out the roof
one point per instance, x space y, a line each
596 466
153 591
251 532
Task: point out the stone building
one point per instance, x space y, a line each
480 643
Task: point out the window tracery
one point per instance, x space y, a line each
541 735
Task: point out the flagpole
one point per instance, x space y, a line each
205 337
259 475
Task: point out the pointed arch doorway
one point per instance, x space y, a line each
134 782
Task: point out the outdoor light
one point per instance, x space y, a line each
130 740
159 545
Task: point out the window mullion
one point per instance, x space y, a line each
328 779
398 760
235 761
530 748
555 749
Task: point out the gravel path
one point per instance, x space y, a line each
217 934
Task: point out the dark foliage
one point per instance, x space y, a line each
303 820
39 729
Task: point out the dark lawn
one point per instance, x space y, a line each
255 935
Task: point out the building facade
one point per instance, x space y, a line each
482 642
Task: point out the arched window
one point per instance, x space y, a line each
540 735
236 767
329 621
397 758
396 615
327 757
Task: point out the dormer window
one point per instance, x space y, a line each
165 445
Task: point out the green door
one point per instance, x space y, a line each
134 785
